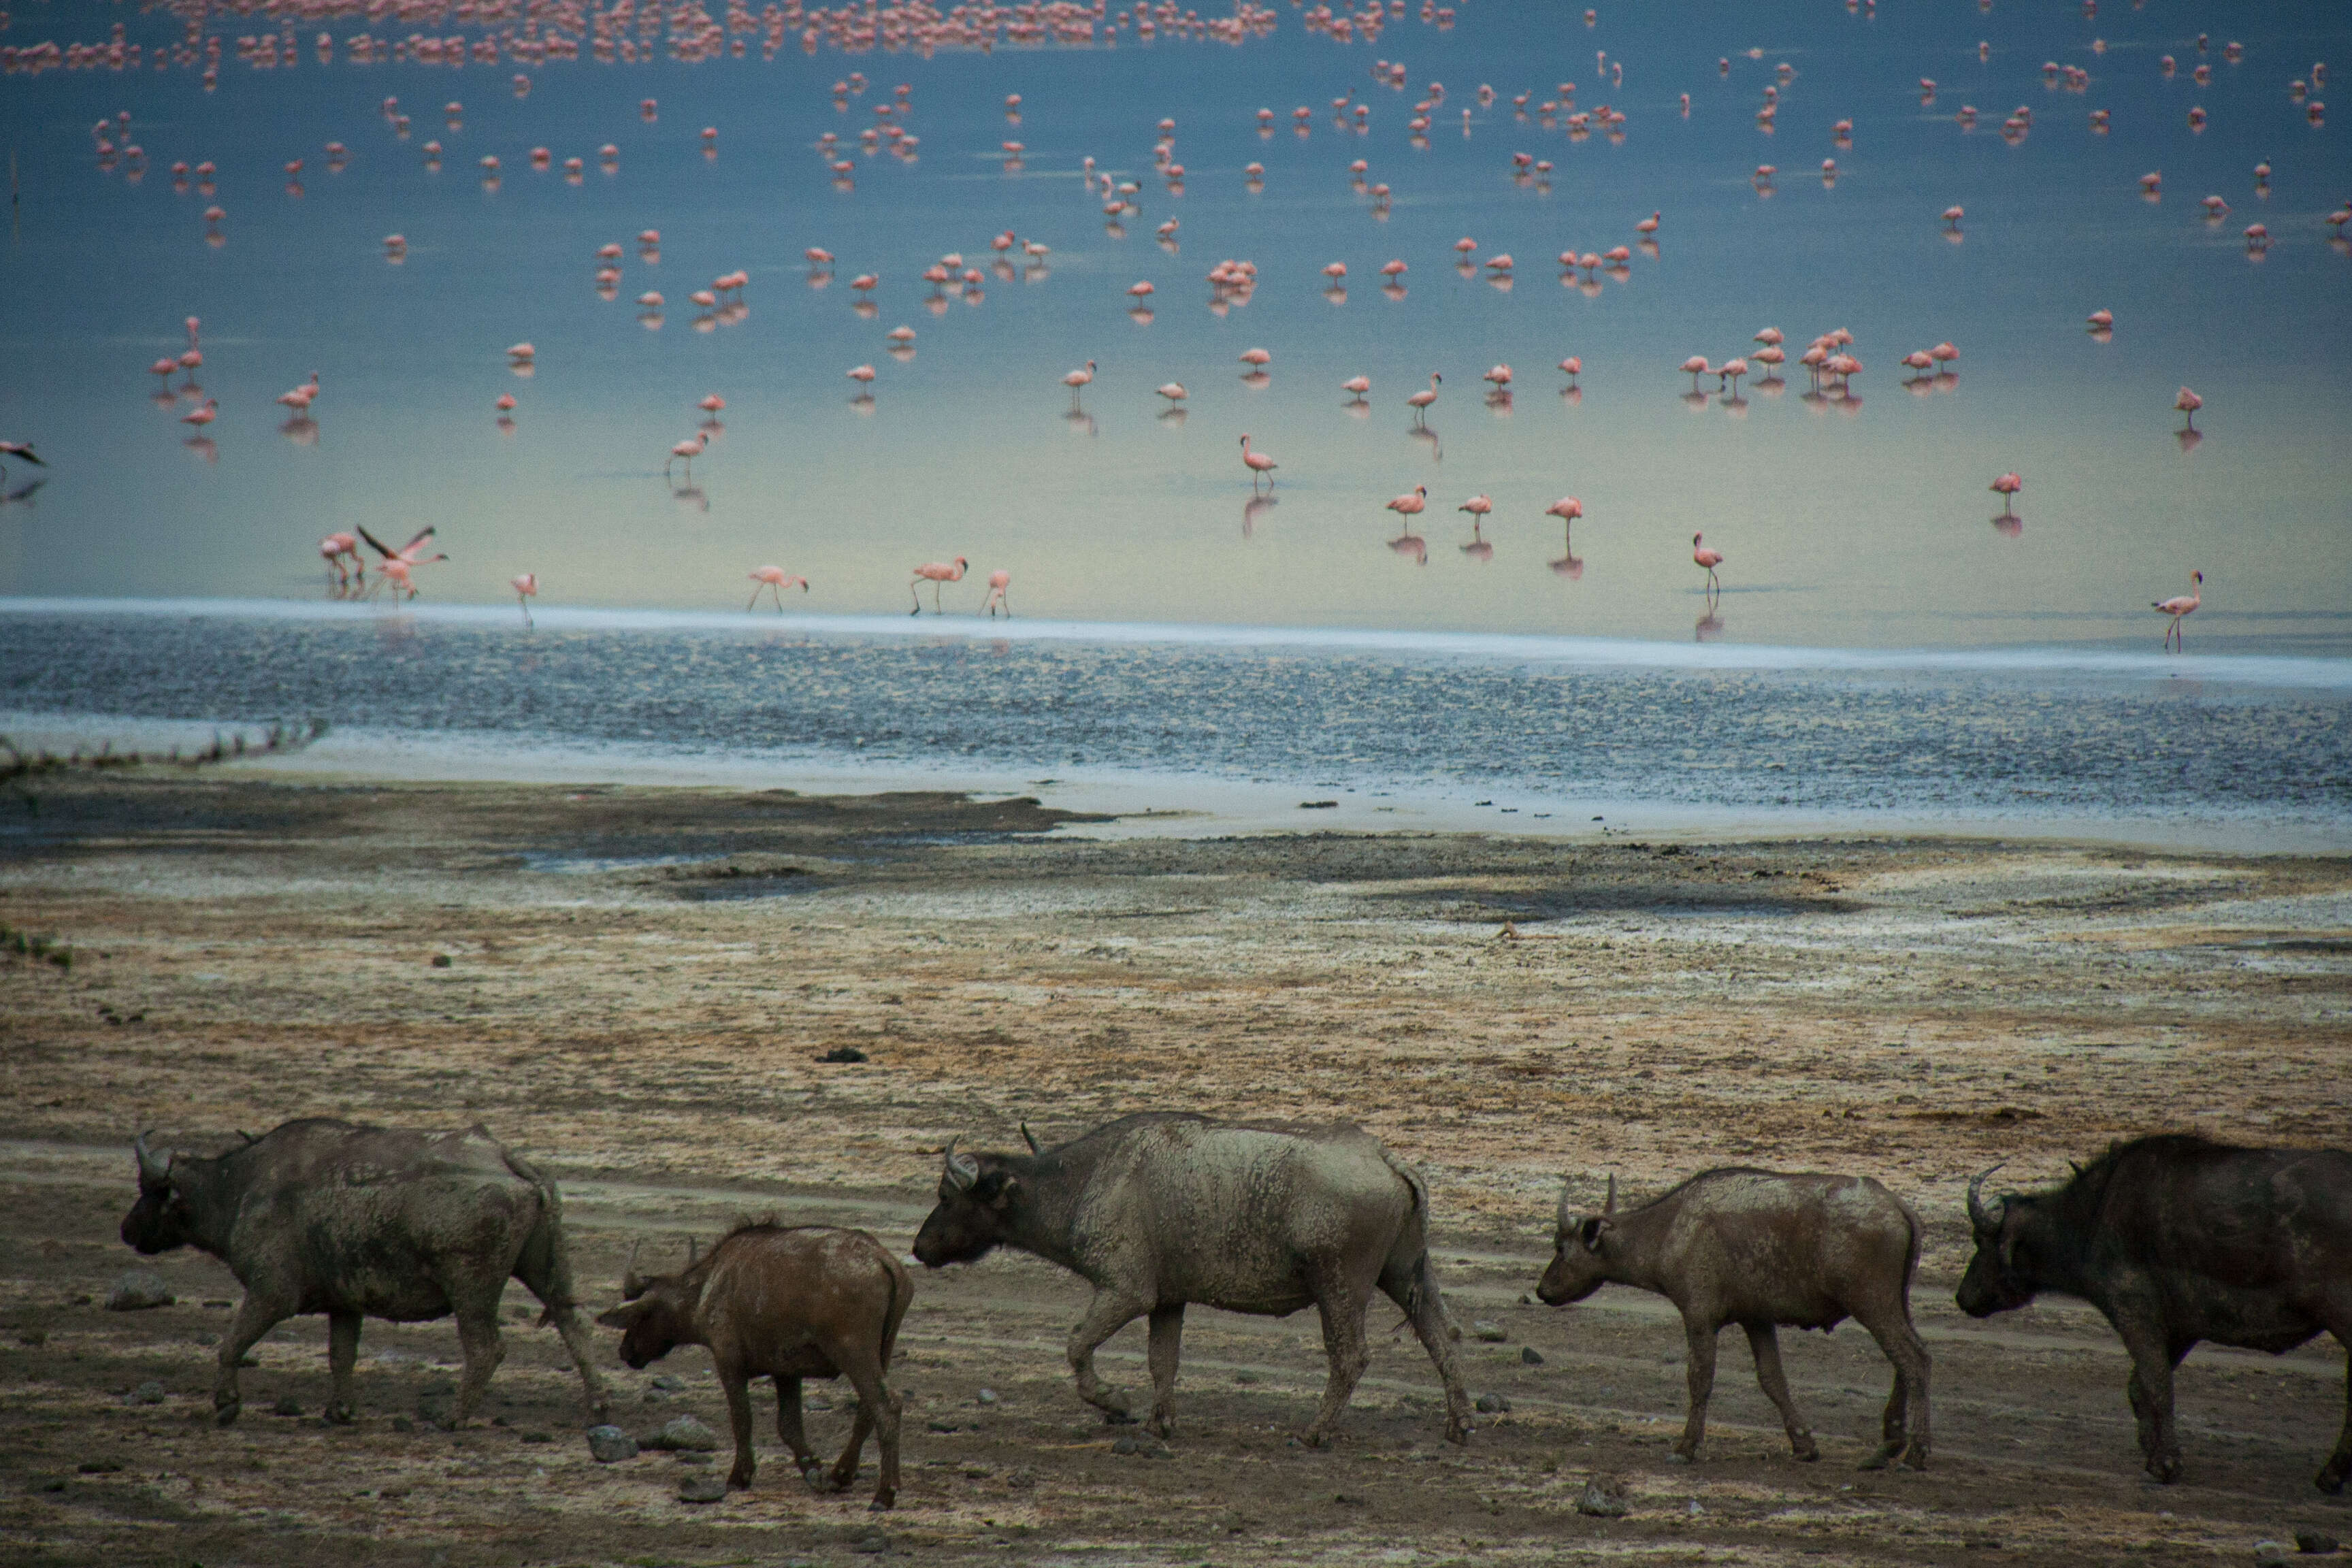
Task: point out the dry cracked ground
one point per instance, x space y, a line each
635 986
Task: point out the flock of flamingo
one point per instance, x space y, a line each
1829 361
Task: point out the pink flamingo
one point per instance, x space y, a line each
1357 386
2188 402
337 549
2180 606
1259 463
1477 507
1697 366
1420 401
1572 367
202 414
772 580
1411 503
2007 487
935 572
997 582
1568 508
1710 559
526 589
1078 380
399 564
687 451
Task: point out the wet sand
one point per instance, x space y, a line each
638 983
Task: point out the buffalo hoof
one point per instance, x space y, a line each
1915 1458
337 1415
884 1501
1161 1426
1805 1449
1458 1432
224 1411
2164 1470
2331 1479
1114 1417
738 1480
818 1481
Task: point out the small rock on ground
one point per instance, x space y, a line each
290 1406
705 1486
1149 1447
1493 1404
609 1445
137 1290
148 1393
1603 1498
684 1432
1530 1355
2313 1543
876 1543
1491 1333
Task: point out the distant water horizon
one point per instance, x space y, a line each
2253 749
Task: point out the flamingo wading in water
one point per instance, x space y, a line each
774 580
934 572
2178 606
1259 464
1710 559
1420 401
998 581
526 588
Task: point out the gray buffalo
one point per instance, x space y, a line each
785 1302
1759 1249
2175 1239
367 1222
1159 1211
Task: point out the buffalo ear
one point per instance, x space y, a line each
1592 1232
997 1189
624 1317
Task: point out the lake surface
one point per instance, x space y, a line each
1862 521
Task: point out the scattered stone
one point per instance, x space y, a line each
669 1383
872 1544
845 1054
1530 1356
100 1467
1023 1478
2311 1542
402 1424
136 1291
2272 1551
709 1487
978 1472
1151 1449
1349 1500
683 1431
987 1396
1603 1498
290 1406
436 1409
35 1337
688 1457
539 1437
1489 1332
1526 1300
440 961
607 1445
148 1393
943 1426
1493 1404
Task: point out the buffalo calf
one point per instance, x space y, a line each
1759 1249
788 1303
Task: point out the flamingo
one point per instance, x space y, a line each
398 563
2180 606
1572 366
1420 401
687 451
772 580
1710 559
526 588
1259 463
1357 386
1173 392
998 581
1477 506
202 416
1411 503
935 572
1697 366
1499 374
1568 508
2188 402
2006 487
23 449
1078 380
334 549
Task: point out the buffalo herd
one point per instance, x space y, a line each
2174 1239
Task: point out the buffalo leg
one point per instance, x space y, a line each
1167 1338
343 1354
1417 1298
1106 1315
1908 1399
738 1387
1702 1386
2339 1464
790 1428
477 1339
845 1469
253 1319
1764 1340
877 1408
2150 1389
582 1349
1341 1301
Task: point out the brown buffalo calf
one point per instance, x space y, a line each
786 1303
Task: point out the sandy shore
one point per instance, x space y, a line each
635 983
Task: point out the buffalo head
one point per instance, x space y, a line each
1999 1278
977 1194
657 1315
159 1221
1579 1256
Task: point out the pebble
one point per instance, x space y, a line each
148 1393
290 1406
987 1396
1491 1333
138 1290
1602 1500
2313 1543
402 1424
1148 1446
685 1432
609 1445
1530 1355
2272 1551
708 1487
669 1383
871 1544
1493 1404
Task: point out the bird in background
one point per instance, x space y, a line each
398 566
2179 607
935 572
772 580
997 582
1710 559
526 588
21 450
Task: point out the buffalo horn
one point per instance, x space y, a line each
1565 1212
1031 1139
962 1171
632 1286
154 1169
1980 1216
1610 1206
692 1249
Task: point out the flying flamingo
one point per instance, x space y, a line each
526 588
21 449
772 580
935 572
998 581
1078 380
687 451
1710 559
2006 487
398 563
1420 401
2188 402
1411 503
2180 605
1259 463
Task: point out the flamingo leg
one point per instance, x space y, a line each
915 588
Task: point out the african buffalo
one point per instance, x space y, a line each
366 1222
783 1302
1160 1210
2177 1240
1759 1249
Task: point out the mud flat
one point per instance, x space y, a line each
638 985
